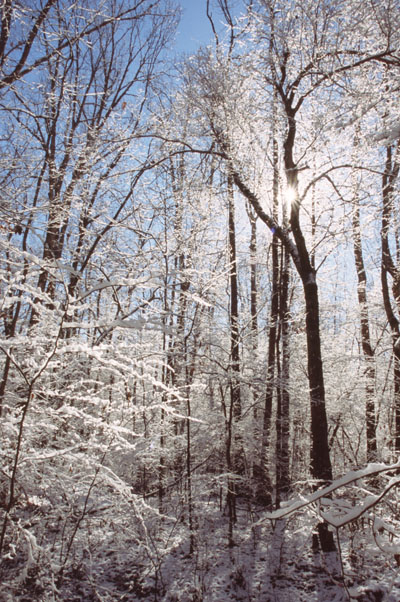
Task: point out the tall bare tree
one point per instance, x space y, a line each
298 55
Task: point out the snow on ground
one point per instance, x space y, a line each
135 555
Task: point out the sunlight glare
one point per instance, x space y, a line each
290 196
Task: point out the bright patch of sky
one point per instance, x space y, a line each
194 29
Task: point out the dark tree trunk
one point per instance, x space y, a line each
390 175
283 405
265 494
321 468
236 403
320 463
234 308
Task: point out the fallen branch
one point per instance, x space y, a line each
370 471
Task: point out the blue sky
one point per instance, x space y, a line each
194 29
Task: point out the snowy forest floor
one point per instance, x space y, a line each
136 554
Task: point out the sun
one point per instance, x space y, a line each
290 196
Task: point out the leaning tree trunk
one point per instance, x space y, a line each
321 468
320 463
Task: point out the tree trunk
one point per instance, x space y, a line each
368 352
389 177
266 494
283 405
236 403
320 463
321 468
234 308
396 396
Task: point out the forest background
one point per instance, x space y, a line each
200 301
